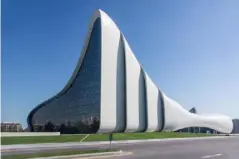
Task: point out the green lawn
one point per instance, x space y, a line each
95 137
40 139
135 136
50 154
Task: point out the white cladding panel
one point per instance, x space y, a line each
176 117
152 104
135 103
112 104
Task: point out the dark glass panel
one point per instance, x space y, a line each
77 110
161 118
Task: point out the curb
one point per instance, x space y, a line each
82 155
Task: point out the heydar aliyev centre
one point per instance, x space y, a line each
110 91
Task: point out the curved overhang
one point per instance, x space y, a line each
176 117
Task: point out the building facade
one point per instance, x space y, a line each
110 91
235 126
11 127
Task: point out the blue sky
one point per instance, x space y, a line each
189 48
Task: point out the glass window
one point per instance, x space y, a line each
78 109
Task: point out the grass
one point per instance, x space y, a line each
94 137
135 136
55 153
40 139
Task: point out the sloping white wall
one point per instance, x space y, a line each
123 101
136 114
152 104
112 117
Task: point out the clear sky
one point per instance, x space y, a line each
190 49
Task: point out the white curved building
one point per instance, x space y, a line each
109 91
